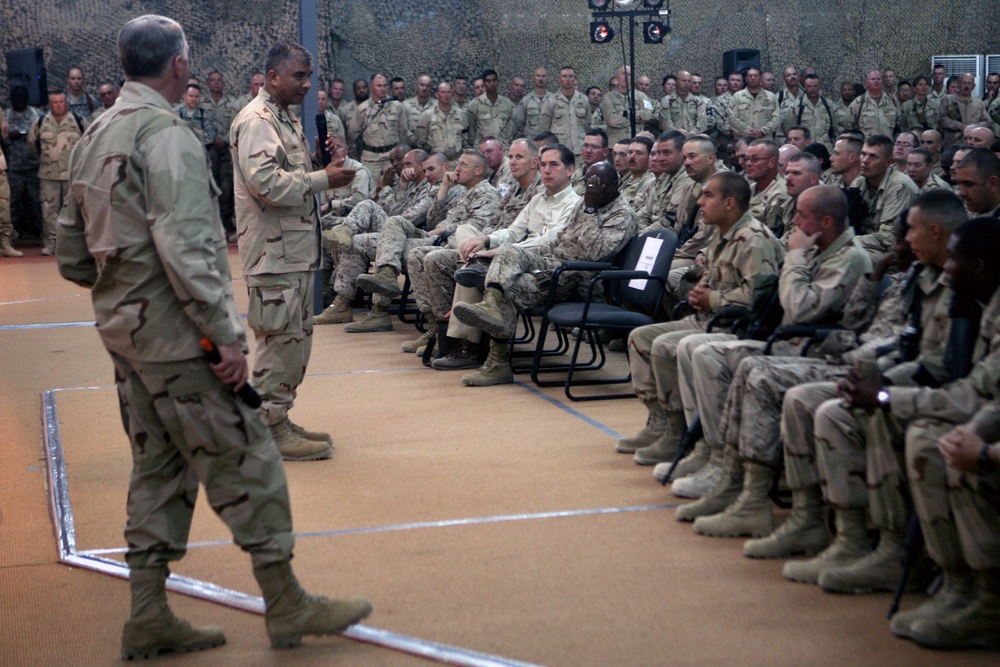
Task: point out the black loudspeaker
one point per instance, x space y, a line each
738 60
26 67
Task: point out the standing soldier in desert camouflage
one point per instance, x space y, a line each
276 181
159 273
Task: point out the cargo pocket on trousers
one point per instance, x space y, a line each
267 312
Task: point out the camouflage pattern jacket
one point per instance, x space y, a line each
660 207
593 235
476 206
512 203
149 242
276 182
737 261
52 141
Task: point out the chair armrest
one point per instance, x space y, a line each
581 265
727 316
815 332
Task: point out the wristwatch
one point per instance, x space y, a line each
986 462
883 398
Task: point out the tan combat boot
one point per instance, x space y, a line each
495 370
6 249
703 480
850 545
152 628
691 464
294 447
384 281
420 344
722 495
665 447
975 625
494 314
751 513
339 312
378 319
318 436
656 423
804 533
340 235
956 593
290 612
878 571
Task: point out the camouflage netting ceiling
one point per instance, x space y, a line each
841 38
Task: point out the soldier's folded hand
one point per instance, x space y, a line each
338 177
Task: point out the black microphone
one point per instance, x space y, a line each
321 127
391 98
246 393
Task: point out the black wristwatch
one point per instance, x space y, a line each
986 462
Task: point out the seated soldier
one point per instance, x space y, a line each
339 201
955 483
639 178
432 269
741 256
353 241
599 227
536 225
476 206
822 265
886 193
848 453
656 206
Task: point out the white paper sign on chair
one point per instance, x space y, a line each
650 251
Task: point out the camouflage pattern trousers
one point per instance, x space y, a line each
366 221
185 427
25 201
399 237
959 512
222 172
750 423
280 315
653 360
855 456
432 277
5 226
53 194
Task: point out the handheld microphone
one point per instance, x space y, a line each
321 127
246 393
391 98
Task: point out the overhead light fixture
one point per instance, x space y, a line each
598 5
601 32
652 4
625 4
653 32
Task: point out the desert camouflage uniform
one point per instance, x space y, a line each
160 279
873 117
614 106
476 206
276 183
767 204
568 119
817 117
342 200
919 116
954 114
389 128
720 131
414 110
366 221
203 122
630 186
892 196
432 269
490 119
440 132
589 235
661 206
786 101
934 182
528 115
736 264
825 443
334 124
56 140
22 170
958 511
813 287
689 114
754 112
751 420
842 115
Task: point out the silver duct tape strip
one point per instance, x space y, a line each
65 533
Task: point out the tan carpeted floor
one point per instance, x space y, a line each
496 520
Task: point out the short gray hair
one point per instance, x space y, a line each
284 52
147 44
